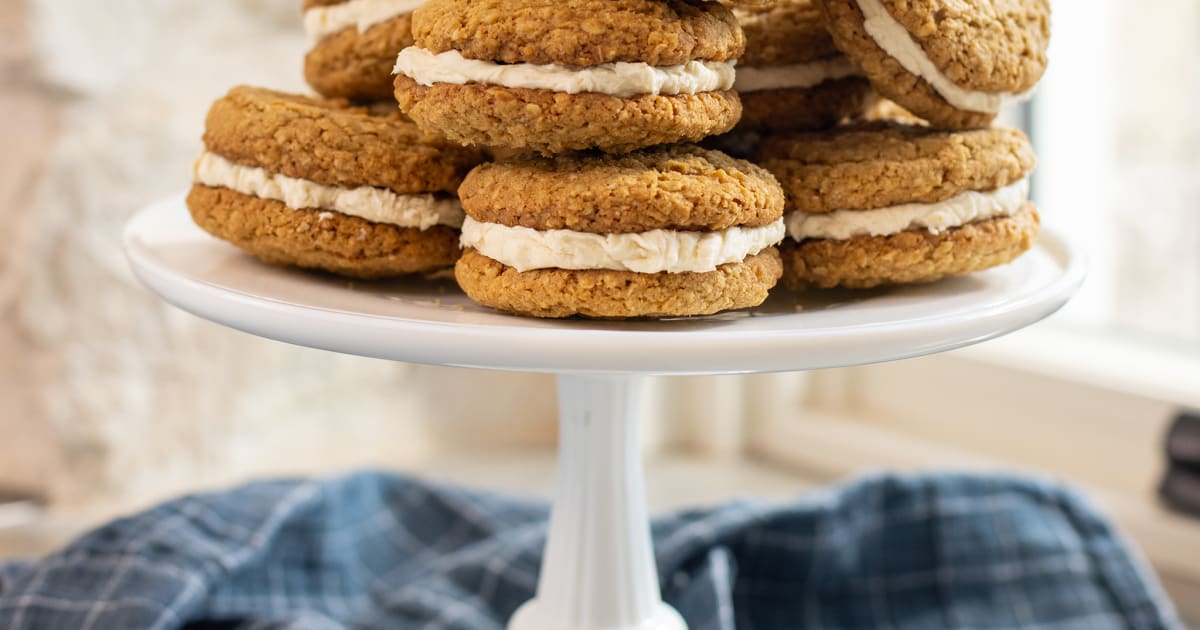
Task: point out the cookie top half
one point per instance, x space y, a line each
987 45
682 187
332 142
580 32
876 165
952 62
784 32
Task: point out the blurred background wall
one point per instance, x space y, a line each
108 394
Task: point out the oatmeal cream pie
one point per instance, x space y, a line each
668 231
885 203
325 185
951 62
355 43
791 77
562 75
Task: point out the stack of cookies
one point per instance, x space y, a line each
941 194
870 121
611 213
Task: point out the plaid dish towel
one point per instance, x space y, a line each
383 551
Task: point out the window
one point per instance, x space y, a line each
1116 129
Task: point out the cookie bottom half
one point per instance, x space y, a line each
609 294
806 109
358 66
314 239
908 257
554 122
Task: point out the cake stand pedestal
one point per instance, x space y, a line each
598 572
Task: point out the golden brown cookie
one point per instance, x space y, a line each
580 32
791 77
681 187
617 294
552 122
315 239
951 62
353 63
884 203
323 184
910 257
671 231
784 32
564 75
332 142
879 164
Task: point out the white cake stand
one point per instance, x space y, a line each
599 571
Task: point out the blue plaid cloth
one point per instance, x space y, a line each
383 551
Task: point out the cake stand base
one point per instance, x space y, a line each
598 572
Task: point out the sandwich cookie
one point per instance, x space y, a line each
885 203
669 231
951 63
325 185
791 77
355 43
561 75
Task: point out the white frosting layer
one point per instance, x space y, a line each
897 42
801 75
373 204
936 217
617 79
321 22
655 251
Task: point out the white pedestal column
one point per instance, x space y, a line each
598 572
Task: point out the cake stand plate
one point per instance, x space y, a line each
598 572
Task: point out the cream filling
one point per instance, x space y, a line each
655 251
321 22
936 217
801 75
897 42
373 204
620 79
